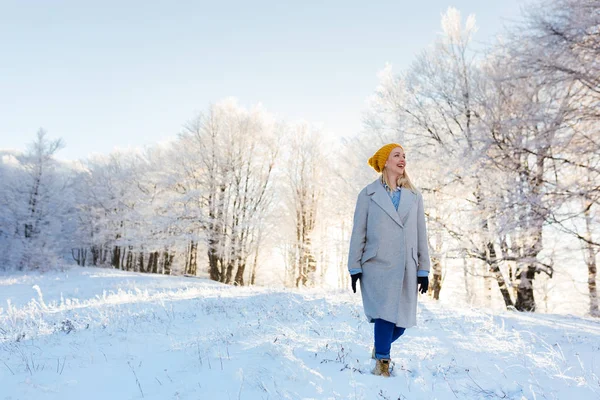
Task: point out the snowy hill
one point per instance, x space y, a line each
98 334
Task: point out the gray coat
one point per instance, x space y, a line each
389 246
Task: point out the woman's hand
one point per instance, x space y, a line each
423 284
355 278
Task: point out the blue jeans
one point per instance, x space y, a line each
386 333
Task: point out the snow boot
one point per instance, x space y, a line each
382 367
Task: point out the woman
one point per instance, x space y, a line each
388 251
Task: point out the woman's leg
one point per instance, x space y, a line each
397 333
384 332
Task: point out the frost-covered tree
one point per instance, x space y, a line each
36 207
559 46
524 121
229 156
303 187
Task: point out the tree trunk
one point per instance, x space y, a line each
95 255
307 263
239 275
534 224
591 264
299 256
191 264
222 268
116 257
213 264
83 256
75 257
436 283
165 258
229 272
592 270
187 260
525 299
141 262
254 266
466 274
123 259
79 255
311 266
153 266
436 266
129 262
194 258
167 262
241 260
492 261
150 262
29 228
219 231
491 256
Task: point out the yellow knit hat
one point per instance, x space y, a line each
380 157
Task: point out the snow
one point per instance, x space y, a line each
97 334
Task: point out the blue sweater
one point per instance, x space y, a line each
395 197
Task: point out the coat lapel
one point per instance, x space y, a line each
407 200
380 196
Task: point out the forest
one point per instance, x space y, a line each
503 140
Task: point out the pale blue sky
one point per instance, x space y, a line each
109 74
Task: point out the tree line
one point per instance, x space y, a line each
503 142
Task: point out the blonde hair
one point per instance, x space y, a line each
402 182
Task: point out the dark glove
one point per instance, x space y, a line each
423 284
355 278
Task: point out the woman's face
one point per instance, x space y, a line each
396 161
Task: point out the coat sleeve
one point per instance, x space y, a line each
422 243
359 233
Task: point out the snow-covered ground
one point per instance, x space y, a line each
100 334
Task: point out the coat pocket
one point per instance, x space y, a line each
368 254
415 257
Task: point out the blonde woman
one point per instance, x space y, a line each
388 251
